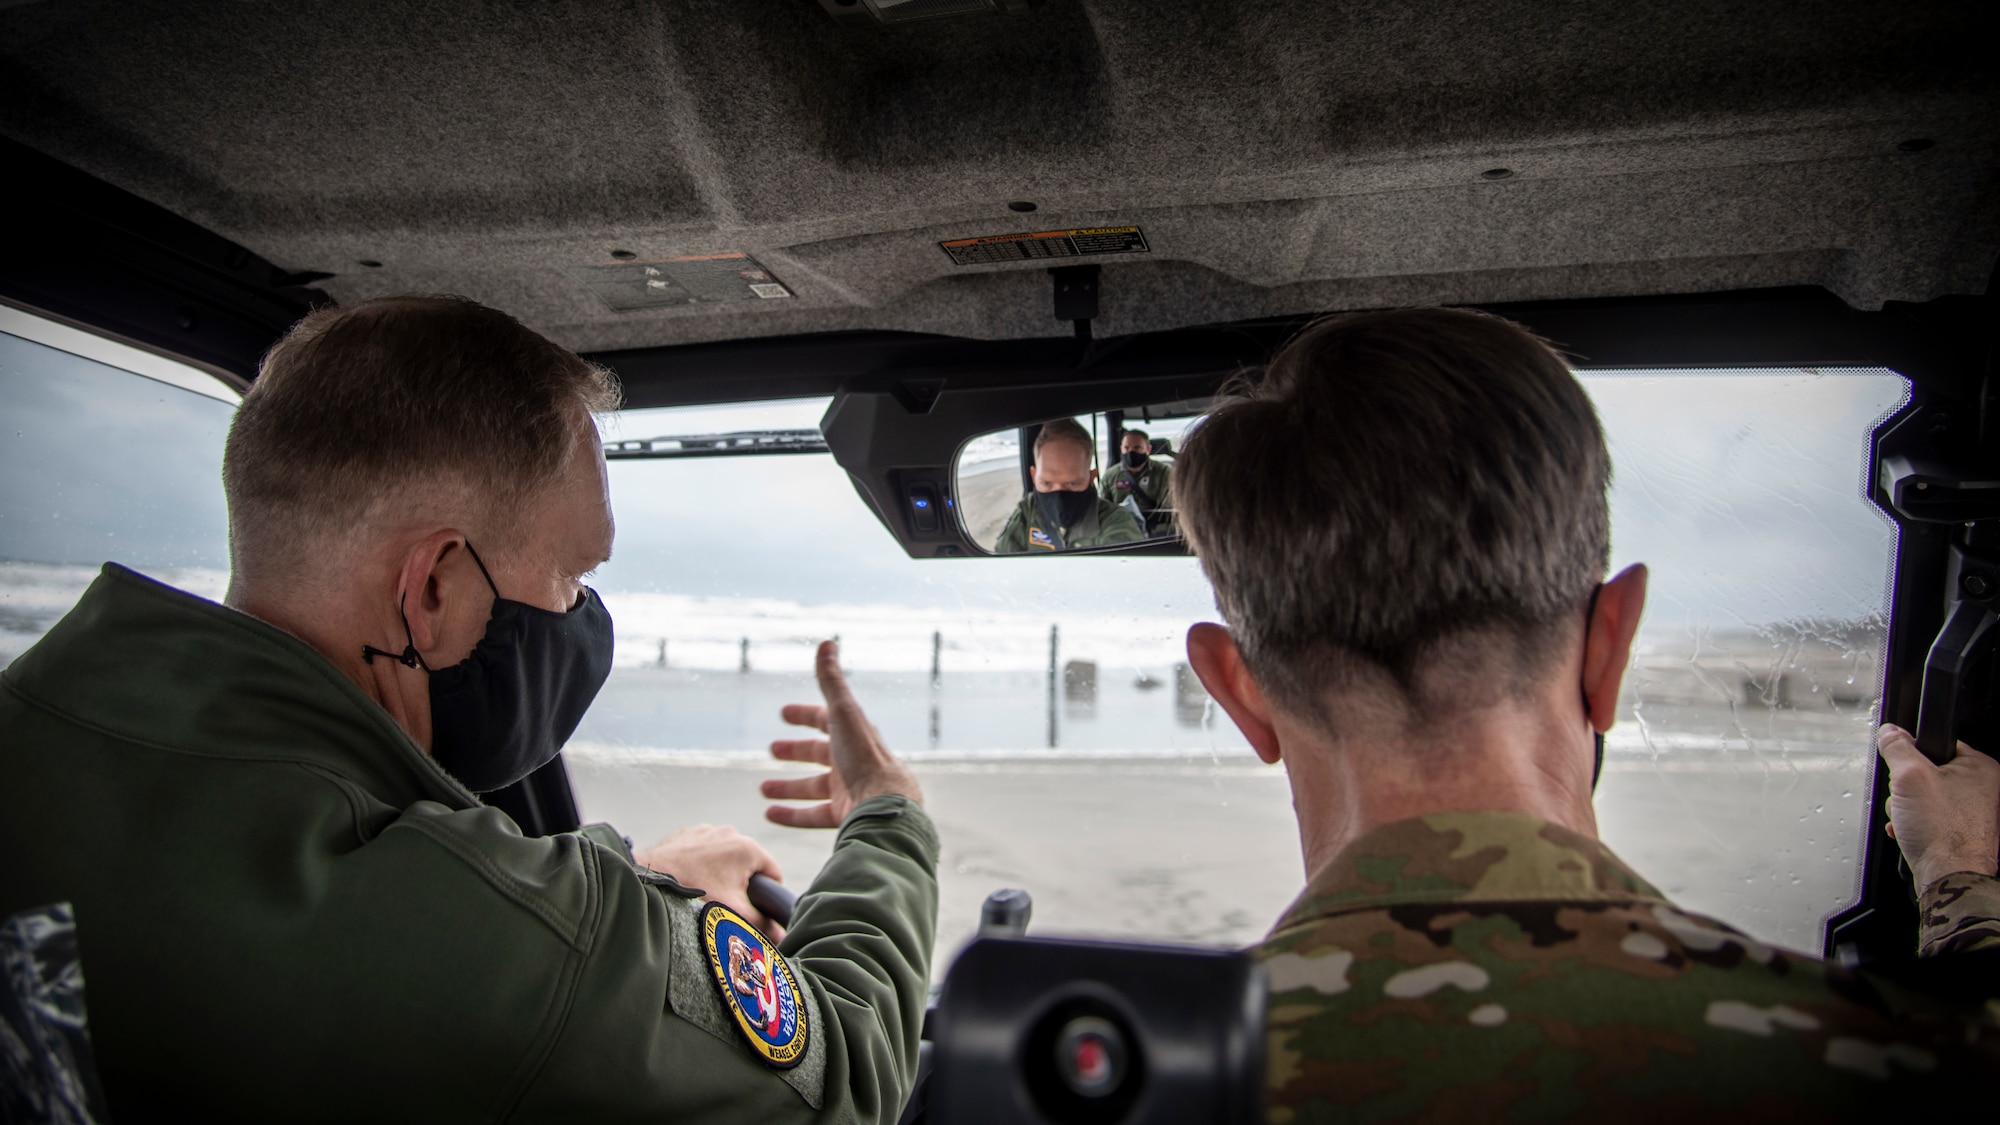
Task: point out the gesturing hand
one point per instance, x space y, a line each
861 767
719 860
1947 818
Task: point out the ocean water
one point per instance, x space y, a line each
708 676
1004 712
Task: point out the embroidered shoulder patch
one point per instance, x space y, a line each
1039 538
757 986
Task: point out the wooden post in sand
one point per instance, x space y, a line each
937 647
1054 633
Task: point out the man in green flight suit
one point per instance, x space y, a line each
1430 655
1143 479
264 818
1064 511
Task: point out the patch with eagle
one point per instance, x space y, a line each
757 986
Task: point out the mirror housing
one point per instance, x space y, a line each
898 437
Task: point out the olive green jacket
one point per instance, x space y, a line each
1106 523
288 912
1156 480
1493 966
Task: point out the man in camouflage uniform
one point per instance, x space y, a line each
1064 512
1143 479
1430 653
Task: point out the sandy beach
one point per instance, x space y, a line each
1205 851
1165 850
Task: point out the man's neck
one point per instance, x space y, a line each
1505 759
388 683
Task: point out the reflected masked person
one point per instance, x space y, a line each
1064 512
1433 657
292 902
1143 481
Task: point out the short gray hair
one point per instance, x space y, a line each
1064 429
1400 485
359 405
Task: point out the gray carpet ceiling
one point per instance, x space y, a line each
1275 157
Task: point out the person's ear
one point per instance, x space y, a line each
1218 664
1607 643
429 592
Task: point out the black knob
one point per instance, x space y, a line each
1006 913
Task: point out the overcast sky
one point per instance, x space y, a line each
1743 491
98 464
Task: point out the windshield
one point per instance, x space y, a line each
1065 748
1062 745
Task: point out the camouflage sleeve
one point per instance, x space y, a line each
1961 912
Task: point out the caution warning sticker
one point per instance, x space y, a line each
704 279
1079 243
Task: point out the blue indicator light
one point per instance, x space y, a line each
921 503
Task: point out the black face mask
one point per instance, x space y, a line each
1063 507
1135 459
505 711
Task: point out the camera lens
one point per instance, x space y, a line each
1082 1064
1090 1056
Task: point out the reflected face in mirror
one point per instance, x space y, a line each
1136 448
1063 466
1069 483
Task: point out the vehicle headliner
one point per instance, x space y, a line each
1282 157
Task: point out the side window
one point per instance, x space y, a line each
1738 775
100 464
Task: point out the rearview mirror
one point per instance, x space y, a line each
1073 483
908 440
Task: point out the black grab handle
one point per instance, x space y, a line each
772 898
1967 633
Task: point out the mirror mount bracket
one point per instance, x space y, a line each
918 395
1075 291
